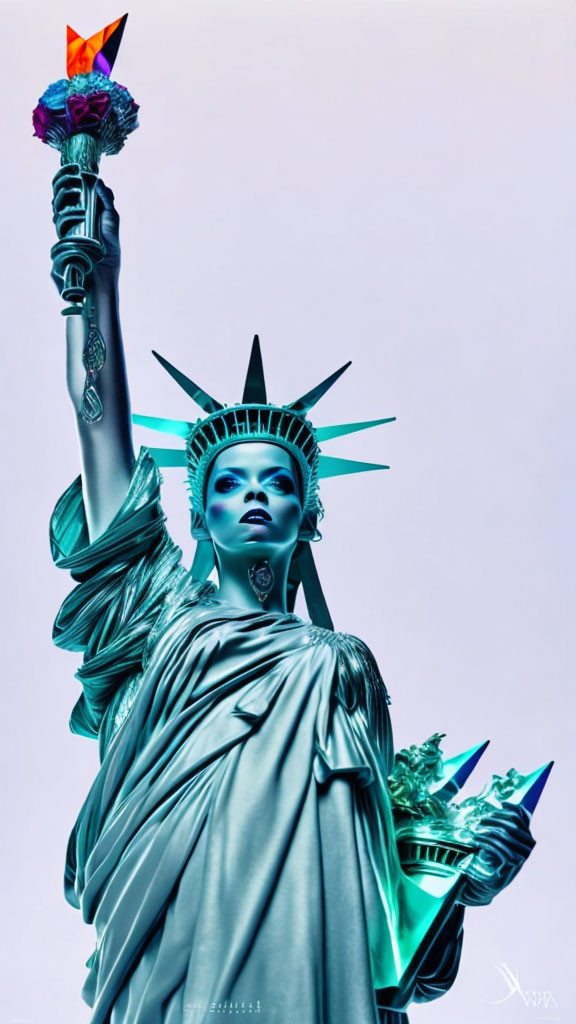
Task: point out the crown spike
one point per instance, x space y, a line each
328 466
180 428
307 401
168 457
255 385
202 398
327 433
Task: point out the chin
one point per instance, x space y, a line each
259 546
262 547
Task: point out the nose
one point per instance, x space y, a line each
259 496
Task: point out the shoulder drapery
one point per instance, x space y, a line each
124 578
243 780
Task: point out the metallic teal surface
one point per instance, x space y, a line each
241 814
196 393
257 419
169 457
308 401
327 465
327 433
330 466
78 247
181 428
440 840
255 383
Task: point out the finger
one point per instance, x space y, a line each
504 860
67 200
508 851
506 832
73 215
510 815
64 176
70 182
65 171
510 806
65 183
489 858
509 827
488 848
517 809
73 185
65 226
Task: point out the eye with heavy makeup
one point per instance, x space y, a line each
284 482
226 482
280 480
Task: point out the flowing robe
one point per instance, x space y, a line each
236 851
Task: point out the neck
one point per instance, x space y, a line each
235 587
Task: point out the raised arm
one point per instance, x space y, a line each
107 456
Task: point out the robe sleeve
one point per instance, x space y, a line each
363 693
438 971
123 579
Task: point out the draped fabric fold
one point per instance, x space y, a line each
237 843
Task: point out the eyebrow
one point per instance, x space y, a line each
267 472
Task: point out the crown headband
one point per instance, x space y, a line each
253 423
255 419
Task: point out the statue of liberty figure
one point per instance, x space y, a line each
238 850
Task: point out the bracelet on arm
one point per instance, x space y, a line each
93 357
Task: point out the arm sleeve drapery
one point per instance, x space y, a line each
363 693
123 578
439 970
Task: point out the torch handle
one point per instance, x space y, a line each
77 251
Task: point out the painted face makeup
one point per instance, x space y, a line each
253 499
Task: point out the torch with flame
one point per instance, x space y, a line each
84 116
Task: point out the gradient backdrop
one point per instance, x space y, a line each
391 182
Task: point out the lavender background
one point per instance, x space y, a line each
388 182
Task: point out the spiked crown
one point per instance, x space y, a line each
255 419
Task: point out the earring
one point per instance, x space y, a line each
261 579
308 528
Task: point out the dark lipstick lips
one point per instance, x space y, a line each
256 515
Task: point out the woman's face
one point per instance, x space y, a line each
253 500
